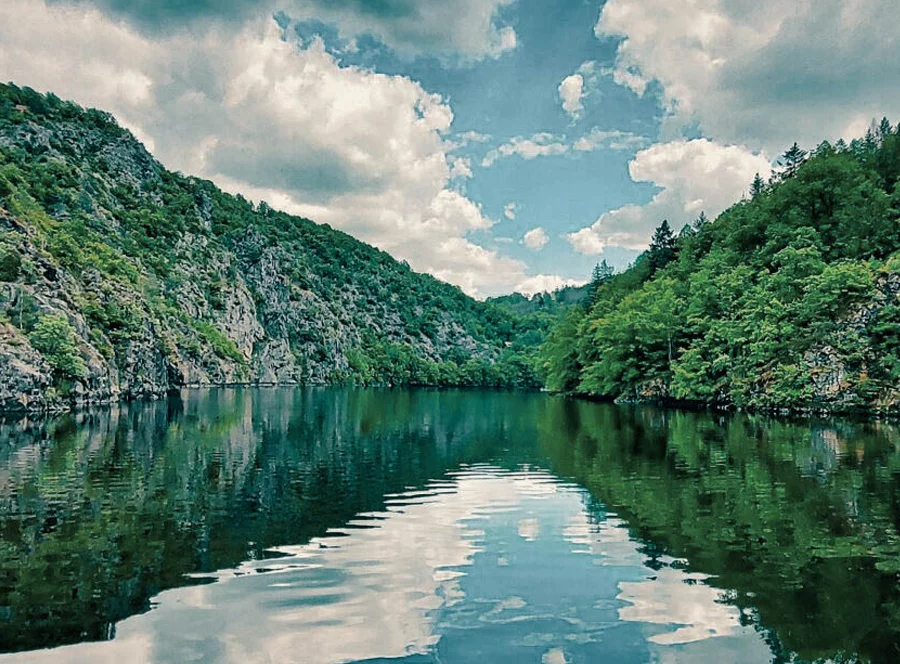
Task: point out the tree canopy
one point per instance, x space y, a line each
788 299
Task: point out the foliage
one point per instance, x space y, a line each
10 264
733 311
54 338
153 252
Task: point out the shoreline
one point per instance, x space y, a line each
663 404
66 407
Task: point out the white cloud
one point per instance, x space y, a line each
464 30
473 137
588 240
460 168
363 151
544 283
541 144
545 144
571 90
597 139
509 211
535 239
575 87
764 73
693 176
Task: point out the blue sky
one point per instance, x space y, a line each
517 95
499 144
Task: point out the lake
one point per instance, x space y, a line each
420 526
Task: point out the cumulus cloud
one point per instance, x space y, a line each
261 115
544 144
571 90
535 239
693 177
509 211
764 73
544 283
463 30
460 168
575 87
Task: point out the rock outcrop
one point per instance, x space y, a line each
152 280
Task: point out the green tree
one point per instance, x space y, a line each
55 339
758 186
791 161
601 275
10 264
757 300
560 366
662 249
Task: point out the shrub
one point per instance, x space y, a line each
54 338
10 264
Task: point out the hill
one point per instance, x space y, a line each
542 303
121 279
789 300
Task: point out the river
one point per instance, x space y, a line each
420 526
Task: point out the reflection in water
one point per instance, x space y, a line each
422 526
420 581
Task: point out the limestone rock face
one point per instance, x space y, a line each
839 369
25 378
236 294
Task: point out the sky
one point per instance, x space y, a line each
500 145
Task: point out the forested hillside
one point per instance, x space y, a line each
119 278
544 304
789 299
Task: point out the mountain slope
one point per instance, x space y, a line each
789 300
542 303
120 279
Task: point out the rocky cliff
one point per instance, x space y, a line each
120 279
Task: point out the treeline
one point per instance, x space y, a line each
399 365
788 299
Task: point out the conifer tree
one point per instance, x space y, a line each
601 274
701 221
791 161
884 130
758 186
662 247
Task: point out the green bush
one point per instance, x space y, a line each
54 338
221 344
10 264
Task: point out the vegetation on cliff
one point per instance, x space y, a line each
788 300
119 278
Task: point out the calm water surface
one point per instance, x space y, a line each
329 526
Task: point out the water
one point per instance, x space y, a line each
328 526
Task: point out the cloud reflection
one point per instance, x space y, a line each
409 580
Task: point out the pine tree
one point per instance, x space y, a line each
662 247
884 130
757 187
871 138
601 274
824 149
791 161
701 221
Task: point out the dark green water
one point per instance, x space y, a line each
420 526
